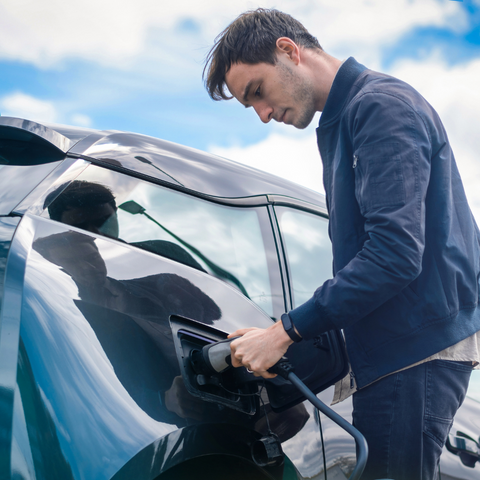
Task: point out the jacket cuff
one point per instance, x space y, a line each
309 321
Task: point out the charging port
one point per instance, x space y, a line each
233 388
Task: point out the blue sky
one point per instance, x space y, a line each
137 66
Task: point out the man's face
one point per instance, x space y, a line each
277 91
101 219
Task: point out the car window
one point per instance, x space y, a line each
17 181
234 244
25 160
308 251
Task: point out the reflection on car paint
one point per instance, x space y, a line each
7 229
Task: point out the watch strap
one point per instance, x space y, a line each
289 328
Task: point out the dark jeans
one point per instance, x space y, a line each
406 418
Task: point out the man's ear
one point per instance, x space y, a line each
286 46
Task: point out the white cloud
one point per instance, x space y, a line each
80 120
21 105
25 106
116 31
364 28
288 153
454 93
44 32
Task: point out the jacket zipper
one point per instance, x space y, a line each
355 161
352 379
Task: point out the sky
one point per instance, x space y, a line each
136 65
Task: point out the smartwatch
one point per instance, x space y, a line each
289 328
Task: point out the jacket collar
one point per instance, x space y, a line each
339 93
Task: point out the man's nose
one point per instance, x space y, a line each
264 112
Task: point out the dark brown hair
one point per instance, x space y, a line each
78 194
251 38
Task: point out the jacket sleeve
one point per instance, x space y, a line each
391 159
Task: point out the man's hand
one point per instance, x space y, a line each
259 349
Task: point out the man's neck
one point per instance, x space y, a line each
323 68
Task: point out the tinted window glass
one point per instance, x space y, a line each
231 243
308 249
16 182
25 160
20 147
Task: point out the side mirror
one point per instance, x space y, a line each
465 447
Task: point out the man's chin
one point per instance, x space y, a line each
303 125
304 122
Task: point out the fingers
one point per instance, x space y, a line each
262 373
242 331
237 362
237 357
252 349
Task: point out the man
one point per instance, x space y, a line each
405 244
86 205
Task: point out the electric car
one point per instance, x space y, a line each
122 255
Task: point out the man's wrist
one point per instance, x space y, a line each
290 329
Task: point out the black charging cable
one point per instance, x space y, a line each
285 370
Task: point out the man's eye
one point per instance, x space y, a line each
257 92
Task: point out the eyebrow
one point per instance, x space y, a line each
247 91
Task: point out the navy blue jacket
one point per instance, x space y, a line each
406 247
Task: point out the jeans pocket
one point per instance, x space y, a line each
446 387
437 429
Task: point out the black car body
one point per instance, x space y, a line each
112 246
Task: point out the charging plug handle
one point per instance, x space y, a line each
216 358
212 358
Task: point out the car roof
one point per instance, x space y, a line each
178 165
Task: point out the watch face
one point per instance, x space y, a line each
289 328
287 322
